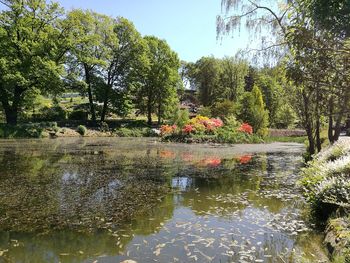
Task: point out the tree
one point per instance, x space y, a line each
317 53
122 70
332 15
89 54
158 92
232 78
224 109
33 44
250 79
253 111
272 94
207 78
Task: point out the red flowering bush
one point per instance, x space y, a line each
188 129
246 128
167 129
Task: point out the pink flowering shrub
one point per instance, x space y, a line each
246 128
188 129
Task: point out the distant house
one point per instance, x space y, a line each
190 102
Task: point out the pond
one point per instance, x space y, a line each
114 200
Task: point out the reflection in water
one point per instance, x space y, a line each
101 200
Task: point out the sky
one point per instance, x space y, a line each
189 26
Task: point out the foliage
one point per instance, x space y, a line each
205 111
81 129
167 129
56 113
217 79
252 110
180 118
285 117
246 128
326 179
78 115
34 130
134 132
158 91
204 129
33 43
332 15
223 109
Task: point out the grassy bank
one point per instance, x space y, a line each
326 181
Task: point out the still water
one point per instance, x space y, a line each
114 200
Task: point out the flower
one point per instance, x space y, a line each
167 129
217 123
246 128
188 129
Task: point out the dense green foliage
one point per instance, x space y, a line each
252 110
327 188
33 42
45 51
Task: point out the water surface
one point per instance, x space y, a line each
111 200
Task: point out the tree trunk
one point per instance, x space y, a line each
149 113
11 111
330 122
308 125
11 116
318 136
159 114
91 100
105 104
318 123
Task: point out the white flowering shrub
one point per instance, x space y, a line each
326 180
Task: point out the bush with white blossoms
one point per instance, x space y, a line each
334 190
326 179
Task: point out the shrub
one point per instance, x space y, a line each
81 129
22 131
205 111
246 128
134 132
56 113
78 115
180 118
252 110
223 109
167 129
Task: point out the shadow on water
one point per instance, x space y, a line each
109 200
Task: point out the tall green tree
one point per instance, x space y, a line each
90 54
233 72
123 68
253 111
207 77
33 43
158 93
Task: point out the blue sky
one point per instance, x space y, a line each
187 25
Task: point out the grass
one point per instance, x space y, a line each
296 139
